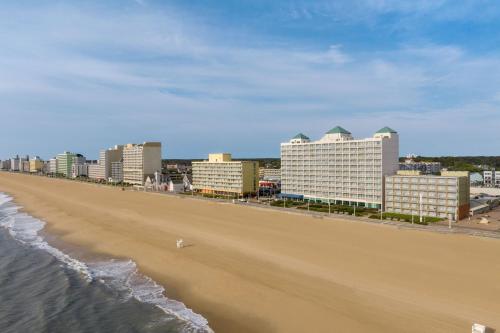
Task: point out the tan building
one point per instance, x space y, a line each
102 169
221 175
445 196
94 171
141 161
36 164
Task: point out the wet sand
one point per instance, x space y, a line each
258 270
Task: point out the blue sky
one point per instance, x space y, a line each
243 76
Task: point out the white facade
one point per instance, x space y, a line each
489 178
95 171
338 168
79 170
141 161
14 164
107 157
269 174
53 165
497 178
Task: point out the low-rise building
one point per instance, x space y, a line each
427 168
269 174
445 196
221 175
497 178
489 178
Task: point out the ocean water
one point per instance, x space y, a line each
42 289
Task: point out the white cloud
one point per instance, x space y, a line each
141 69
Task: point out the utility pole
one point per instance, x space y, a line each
420 207
329 208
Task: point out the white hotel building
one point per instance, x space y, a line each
338 168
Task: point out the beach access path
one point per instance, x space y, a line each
261 270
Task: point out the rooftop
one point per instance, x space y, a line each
337 130
300 136
386 130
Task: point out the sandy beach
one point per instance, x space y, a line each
256 270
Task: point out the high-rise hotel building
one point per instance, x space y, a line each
338 168
141 161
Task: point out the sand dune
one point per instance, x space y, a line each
256 270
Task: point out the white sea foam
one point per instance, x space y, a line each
119 274
124 274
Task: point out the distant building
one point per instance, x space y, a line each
428 168
175 186
269 174
489 178
95 171
36 164
24 165
14 163
107 157
141 161
117 172
445 196
476 179
221 175
64 163
79 170
53 166
180 168
5 165
338 168
497 178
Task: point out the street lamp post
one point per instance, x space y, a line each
420 207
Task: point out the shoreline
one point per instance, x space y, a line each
432 227
251 270
119 274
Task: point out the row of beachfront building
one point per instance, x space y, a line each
130 163
336 169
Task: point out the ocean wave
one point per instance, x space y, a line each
121 275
